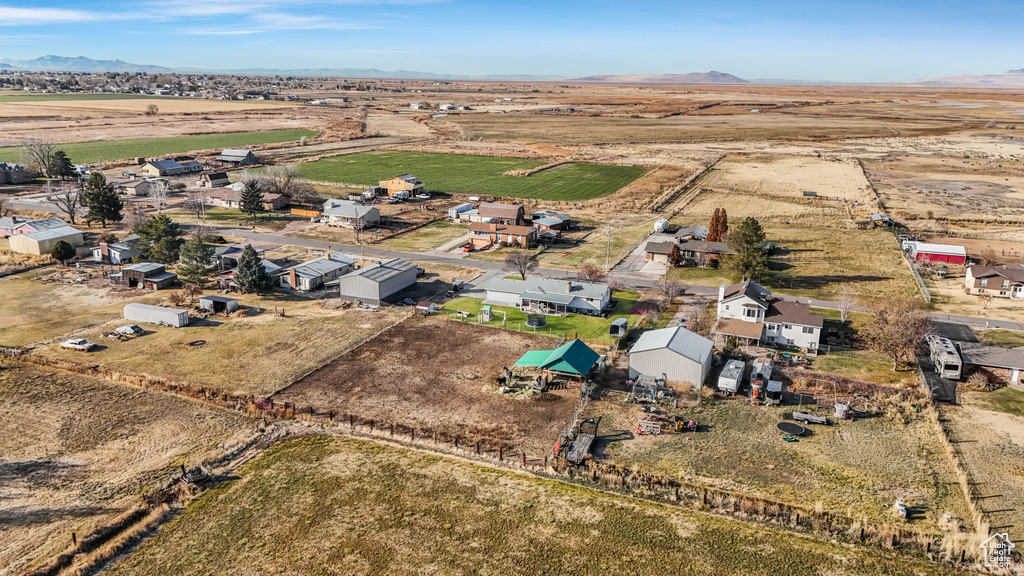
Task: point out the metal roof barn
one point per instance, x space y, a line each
674 354
378 282
150 314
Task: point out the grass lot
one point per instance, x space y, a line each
121 149
460 174
703 276
329 506
35 311
851 467
866 366
1003 338
252 355
76 451
426 238
590 329
1008 400
232 217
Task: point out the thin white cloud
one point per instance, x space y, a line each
216 32
278 21
11 15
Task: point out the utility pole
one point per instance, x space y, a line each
608 252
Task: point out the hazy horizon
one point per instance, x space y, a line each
850 41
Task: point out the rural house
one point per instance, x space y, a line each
214 180
378 282
697 252
231 198
749 313
144 276
120 252
314 274
133 187
1006 362
1006 281
508 214
11 226
662 252
549 220
936 253
42 242
574 358
13 174
226 279
168 167
673 355
402 183
350 214
483 234
238 157
549 296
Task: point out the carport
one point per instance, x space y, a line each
218 304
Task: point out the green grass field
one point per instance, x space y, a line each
459 174
83 152
322 505
590 329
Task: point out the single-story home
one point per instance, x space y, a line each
549 296
937 253
214 180
546 220
673 355
350 214
993 357
379 282
14 174
42 242
238 157
696 252
573 358
1006 281
483 234
11 226
120 252
229 197
508 214
226 279
662 252
402 183
133 187
168 167
216 304
145 276
314 274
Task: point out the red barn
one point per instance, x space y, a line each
941 253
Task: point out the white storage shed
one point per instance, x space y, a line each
150 314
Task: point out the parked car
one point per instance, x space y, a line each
394 200
407 302
468 247
78 344
130 330
420 271
423 196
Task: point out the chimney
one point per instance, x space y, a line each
721 292
291 278
568 287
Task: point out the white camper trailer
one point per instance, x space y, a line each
732 375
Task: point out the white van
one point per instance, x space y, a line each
401 195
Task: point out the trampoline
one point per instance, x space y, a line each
791 428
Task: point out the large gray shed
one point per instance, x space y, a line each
215 304
378 282
150 314
674 354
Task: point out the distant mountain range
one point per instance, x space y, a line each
712 77
52 63
1009 79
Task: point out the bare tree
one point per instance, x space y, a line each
203 231
4 210
133 216
670 289
895 327
846 301
38 154
591 273
702 323
988 257
193 203
158 193
67 198
280 179
152 110
985 299
521 262
702 255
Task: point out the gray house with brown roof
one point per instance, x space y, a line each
750 313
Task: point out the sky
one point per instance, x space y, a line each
844 41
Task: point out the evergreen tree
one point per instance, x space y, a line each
61 166
195 256
62 252
252 197
747 241
251 275
723 225
101 200
159 239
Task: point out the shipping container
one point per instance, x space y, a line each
161 315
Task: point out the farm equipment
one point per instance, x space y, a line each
584 440
682 425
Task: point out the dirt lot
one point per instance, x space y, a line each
855 468
330 506
77 451
439 374
256 354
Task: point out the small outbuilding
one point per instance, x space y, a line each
42 242
672 354
378 282
936 253
144 275
573 358
238 157
162 315
217 304
426 308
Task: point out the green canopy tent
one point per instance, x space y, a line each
574 358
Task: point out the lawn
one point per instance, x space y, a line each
590 329
82 152
1009 400
321 505
234 217
426 238
1003 338
866 366
854 468
459 174
76 451
256 354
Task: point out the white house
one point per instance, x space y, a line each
748 312
549 296
350 214
672 354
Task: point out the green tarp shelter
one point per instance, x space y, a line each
573 357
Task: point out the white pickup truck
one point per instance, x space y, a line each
78 344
